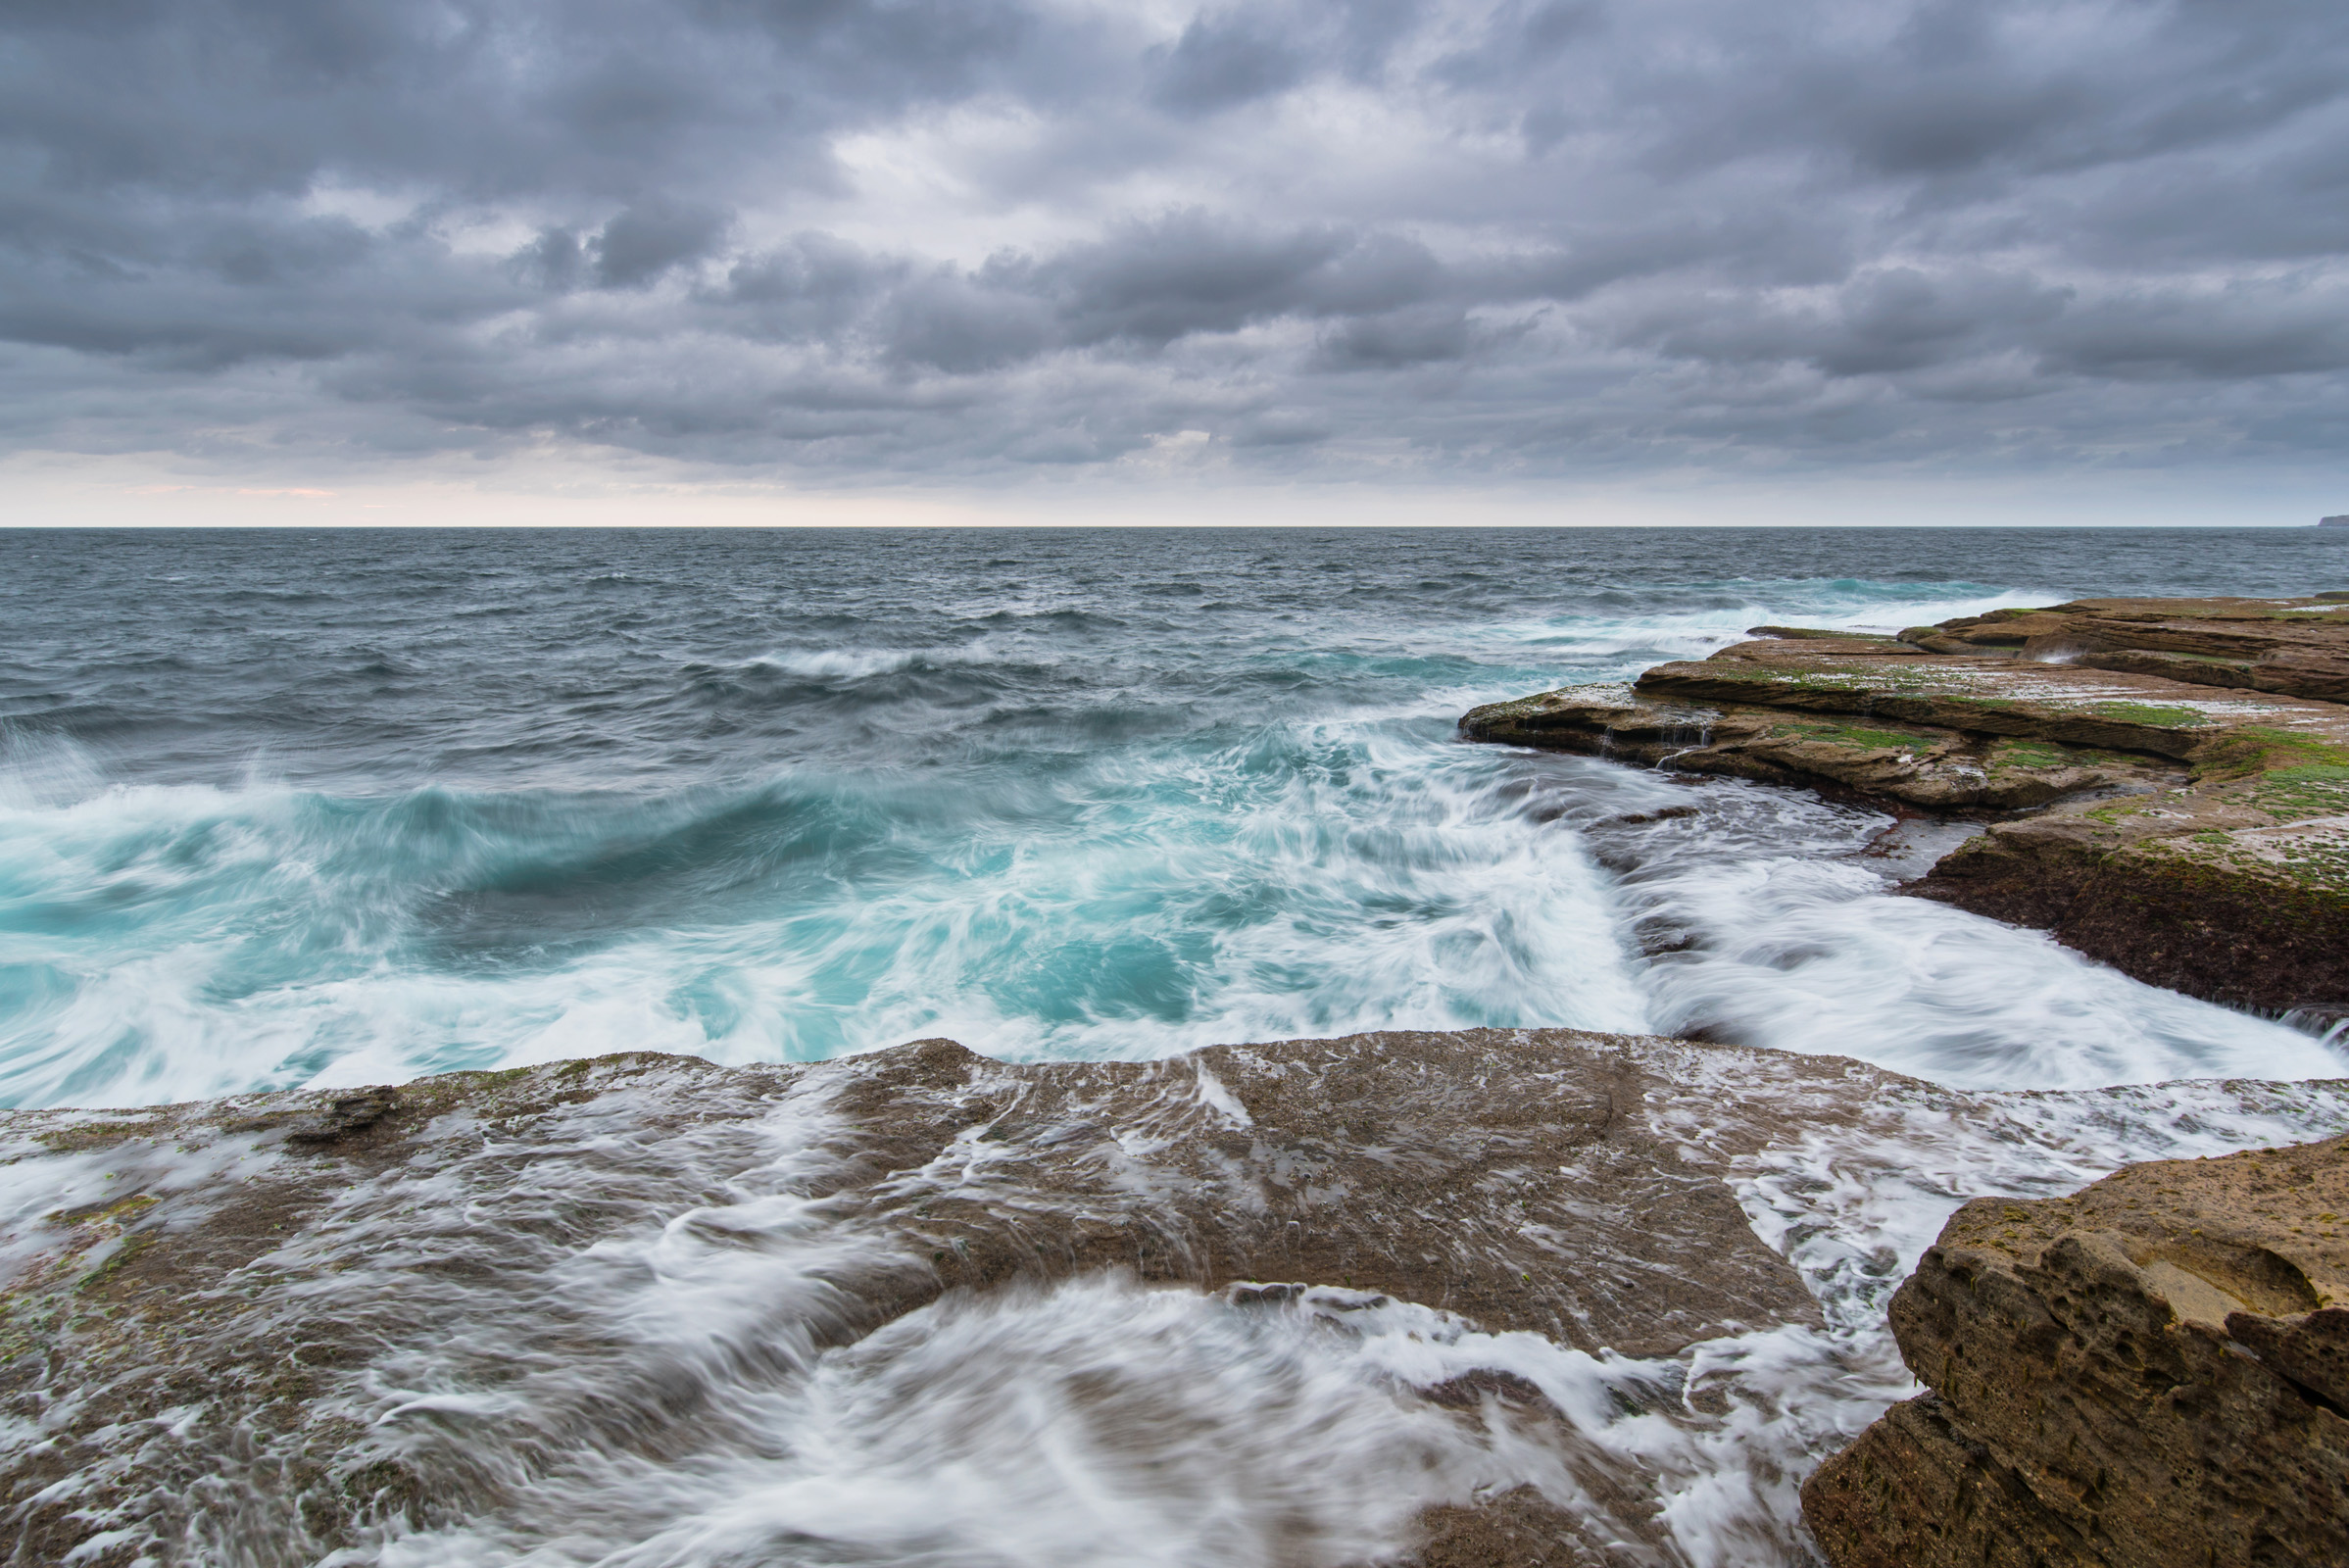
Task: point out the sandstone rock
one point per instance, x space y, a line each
2188 755
2147 1373
201 1298
1876 643
2295 647
1521 1530
533 1308
2237 891
1517 1192
1866 757
2065 705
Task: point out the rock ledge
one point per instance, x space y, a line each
2152 1372
2164 784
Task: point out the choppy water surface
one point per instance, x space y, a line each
290 808
280 808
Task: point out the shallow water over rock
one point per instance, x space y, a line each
1327 1301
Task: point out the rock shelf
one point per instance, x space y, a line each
299 1326
2164 784
219 1276
2153 1371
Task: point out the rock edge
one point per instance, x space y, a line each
2152 1372
2164 784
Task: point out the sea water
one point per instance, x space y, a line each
291 808
321 808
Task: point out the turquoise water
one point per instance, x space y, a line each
281 809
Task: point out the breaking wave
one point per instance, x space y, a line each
1049 797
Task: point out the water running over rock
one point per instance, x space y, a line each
1313 1303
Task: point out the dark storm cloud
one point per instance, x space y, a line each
645 241
1221 62
872 237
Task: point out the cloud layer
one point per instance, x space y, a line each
855 240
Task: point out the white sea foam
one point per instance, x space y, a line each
1342 879
1802 955
1328 878
1697 632
850 664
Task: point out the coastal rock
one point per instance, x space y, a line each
2209 895
217 1275
2186 762
1519 1191
1990 695
2150 1372
2294 647
599 1307
1864 756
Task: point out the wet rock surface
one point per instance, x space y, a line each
1522 1189
2149 1372
2164 783
174 1273
1501 1296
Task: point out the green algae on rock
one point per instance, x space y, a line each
2184 763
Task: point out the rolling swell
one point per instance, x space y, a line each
379 807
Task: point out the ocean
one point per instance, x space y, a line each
281 809
324 808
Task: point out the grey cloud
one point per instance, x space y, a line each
1221 62
1142 288
814 265
643 242
1401 337
1223 59
1520 40
2253 330
1470 235
945 322
553 261
1157 282
1893 320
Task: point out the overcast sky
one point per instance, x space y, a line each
1028 247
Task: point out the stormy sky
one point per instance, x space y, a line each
999 246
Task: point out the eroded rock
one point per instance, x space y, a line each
2172 775
2147 1373
217 1279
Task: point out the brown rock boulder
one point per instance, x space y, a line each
2148 1373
